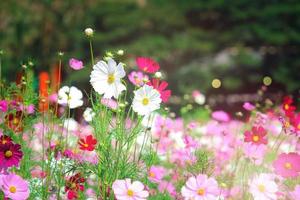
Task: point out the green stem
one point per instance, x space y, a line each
92 54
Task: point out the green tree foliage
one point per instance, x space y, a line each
194 40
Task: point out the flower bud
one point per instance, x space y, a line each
89 32
158 75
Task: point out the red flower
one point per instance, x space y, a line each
87 144
295 121
256 136
73 185
14 121
147 65
10 155
288 107
4 139
161 88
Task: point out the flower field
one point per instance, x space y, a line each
119 139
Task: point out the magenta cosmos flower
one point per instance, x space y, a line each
200 188
156 174
125 190
161 87
256 136
287 165
10 155
220 116
147 65
3 105
14 187
75 64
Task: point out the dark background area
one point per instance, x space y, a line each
195 41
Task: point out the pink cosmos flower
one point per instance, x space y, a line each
256 136
200 188
255 153
147 65
167 187
156 173
14 187
125 190
287 165
75 64
248 106
220 116
110 103
295 195
137 78
3 105
161 88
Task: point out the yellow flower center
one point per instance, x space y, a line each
73 186
286 106
12 189
287 124
85 145
288 165
255 138
8 154
4 142
15 121
145 101
201 191
261 188
298 127
130 193
151 174
111 78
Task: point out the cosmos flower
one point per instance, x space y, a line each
10 155
256 136
263 187
88 114
70 96
87 144
127 190
138 78
156 174
220 116
3 105
14 187
167 187
287 165
147 65
73 185
75 64
200 187
146 100
248 106
161 88
288 106
295 195
106 78
14 121
4 139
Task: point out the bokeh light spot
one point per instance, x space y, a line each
216 83
267 80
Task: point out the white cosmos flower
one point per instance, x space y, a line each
106 78
263 187
70 96
88 114
146 100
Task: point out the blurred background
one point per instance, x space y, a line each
224 49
